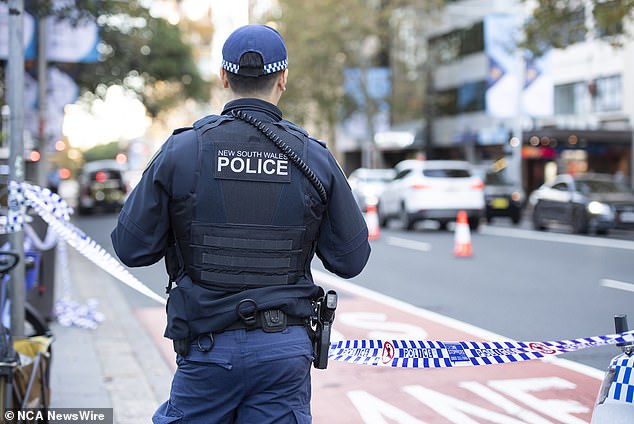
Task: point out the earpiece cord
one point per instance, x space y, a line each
284 148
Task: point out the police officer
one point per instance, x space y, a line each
238 205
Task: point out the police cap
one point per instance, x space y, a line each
261 39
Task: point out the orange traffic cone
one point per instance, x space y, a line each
462 239
372 221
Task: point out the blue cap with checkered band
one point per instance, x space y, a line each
260 39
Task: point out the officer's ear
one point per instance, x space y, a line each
281 81
223 77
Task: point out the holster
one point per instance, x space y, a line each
181 346
324 316
172 264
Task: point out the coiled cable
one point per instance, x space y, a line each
284 148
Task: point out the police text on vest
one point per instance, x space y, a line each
251 163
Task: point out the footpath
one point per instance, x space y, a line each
113 366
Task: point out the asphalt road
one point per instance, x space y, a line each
519 283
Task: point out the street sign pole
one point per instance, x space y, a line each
16 156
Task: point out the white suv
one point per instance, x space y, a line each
434 190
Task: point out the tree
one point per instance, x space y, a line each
102 151
140 52
340 35
560 23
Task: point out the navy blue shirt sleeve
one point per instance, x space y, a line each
343 245
140 237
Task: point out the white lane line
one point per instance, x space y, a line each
615 284
409 244
560 238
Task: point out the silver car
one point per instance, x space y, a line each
367 185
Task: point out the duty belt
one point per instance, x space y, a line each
249 318
270 321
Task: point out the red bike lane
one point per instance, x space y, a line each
532 392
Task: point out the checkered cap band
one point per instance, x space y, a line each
230 67
275 67
268 69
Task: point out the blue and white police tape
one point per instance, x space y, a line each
623 378
69 312
438 354
16 210
56 213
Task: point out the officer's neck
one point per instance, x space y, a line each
272 97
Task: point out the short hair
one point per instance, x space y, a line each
242 84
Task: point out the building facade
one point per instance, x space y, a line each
567 111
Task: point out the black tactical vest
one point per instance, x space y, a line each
251 218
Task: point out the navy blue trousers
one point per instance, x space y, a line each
247 377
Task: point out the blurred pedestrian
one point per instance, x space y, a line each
53 179
238 205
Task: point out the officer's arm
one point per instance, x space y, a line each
140 237
343 245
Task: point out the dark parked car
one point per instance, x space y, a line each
101 187
503 197
587 202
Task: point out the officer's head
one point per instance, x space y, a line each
254 61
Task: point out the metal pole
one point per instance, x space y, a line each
42 84
429 107
632 158
16 156
515 168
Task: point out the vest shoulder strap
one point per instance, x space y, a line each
291 127
297 131
211 121
320 142
181 130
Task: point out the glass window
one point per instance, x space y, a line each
497 178
445 48
460 42
472 39
608 96
601 186
446 173
446 102
469 97
570 98
402 174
